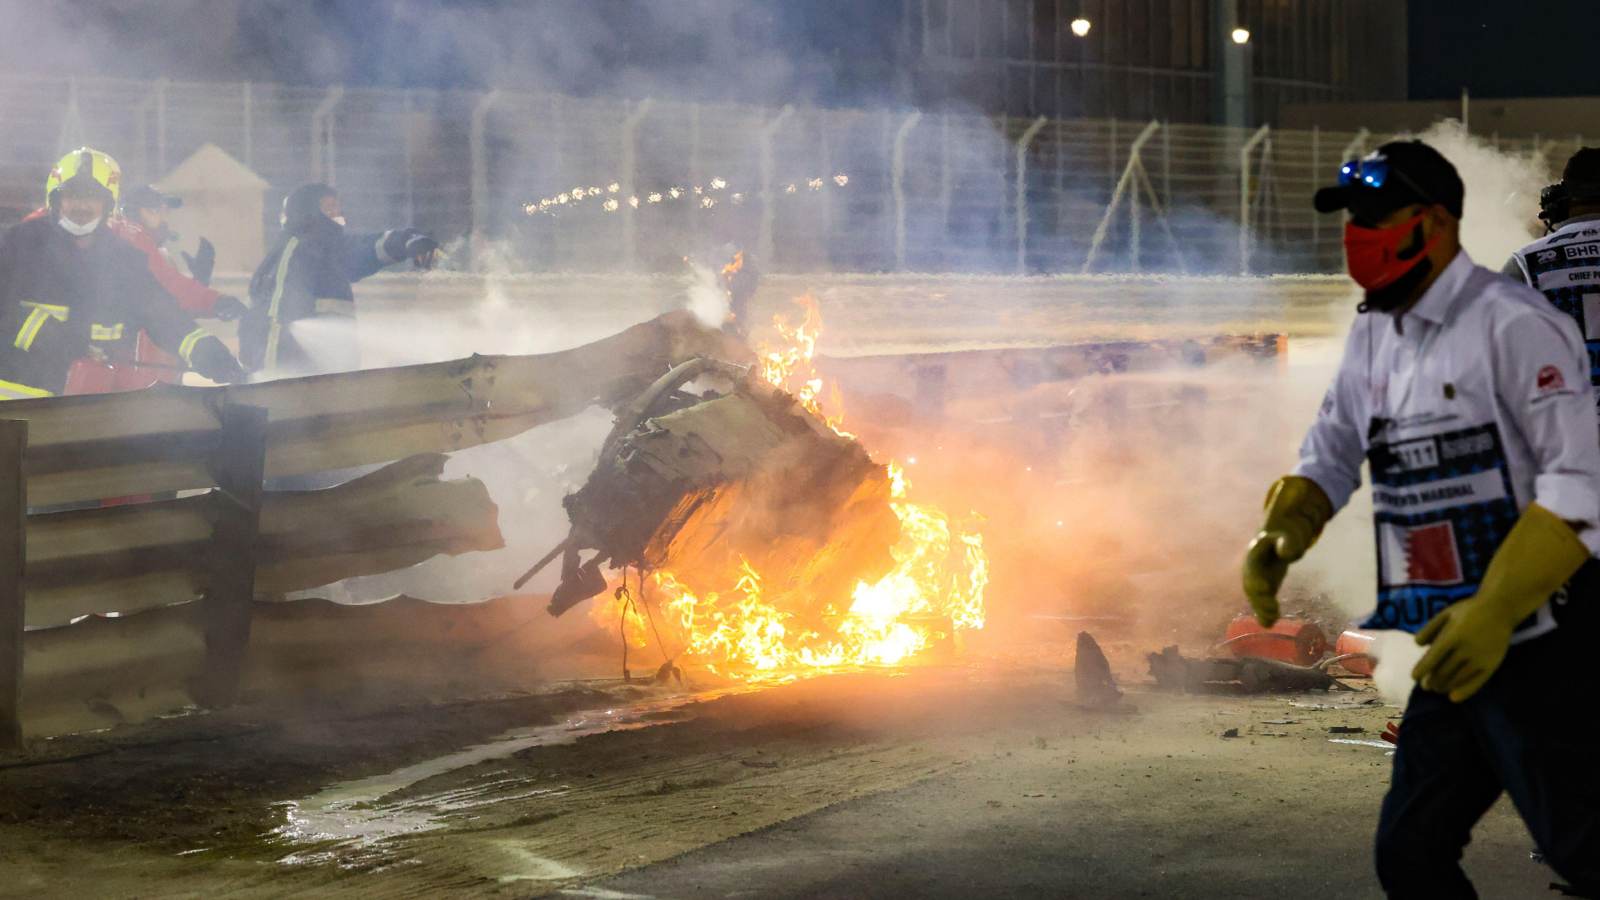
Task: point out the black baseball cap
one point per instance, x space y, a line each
146 197
1397 174
1583 168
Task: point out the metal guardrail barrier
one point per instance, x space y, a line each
126 611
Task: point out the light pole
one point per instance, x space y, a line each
1230 66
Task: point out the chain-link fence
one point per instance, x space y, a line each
638 185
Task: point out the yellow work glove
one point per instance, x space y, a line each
1296 511
1470 637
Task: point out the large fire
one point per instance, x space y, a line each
934 590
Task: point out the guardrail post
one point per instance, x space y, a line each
230 588
13 553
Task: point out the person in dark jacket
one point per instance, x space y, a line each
72 293
303 310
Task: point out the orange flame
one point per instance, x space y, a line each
934 590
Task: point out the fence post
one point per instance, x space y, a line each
247 100
946 176
1244 196
764 246
13 554
1023 143
230 588
161 127
407 143
897 177
322 133
630 178
1127 179
478 160
141 116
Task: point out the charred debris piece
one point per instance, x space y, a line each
1237 675
1097 689
705 482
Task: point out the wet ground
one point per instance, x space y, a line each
983 779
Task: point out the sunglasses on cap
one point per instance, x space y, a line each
1374 172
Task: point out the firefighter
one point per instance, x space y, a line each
1467 396
1565 264
143 224
301 294
69 290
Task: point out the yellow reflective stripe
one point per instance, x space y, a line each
98 332
10 390
270 357
55 309
37 316
332 306
186 346
30 329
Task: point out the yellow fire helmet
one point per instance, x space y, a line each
86 162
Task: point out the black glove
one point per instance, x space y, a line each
211 359
202 262
409 242
229 307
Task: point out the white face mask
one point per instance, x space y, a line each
76 230
338 220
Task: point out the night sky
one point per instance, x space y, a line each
1495 48
826 49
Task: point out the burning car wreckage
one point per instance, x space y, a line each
766 540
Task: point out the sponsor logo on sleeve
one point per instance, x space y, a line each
1549 380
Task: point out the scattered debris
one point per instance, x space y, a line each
1347 729
759 763
1280 721
1361 743
1248 675
1231 733
1353 651
1092 672
1391 733
1370 701
1288 640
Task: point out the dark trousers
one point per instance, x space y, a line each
1531 732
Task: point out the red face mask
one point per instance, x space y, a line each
1373 254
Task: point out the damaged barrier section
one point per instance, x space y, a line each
113 611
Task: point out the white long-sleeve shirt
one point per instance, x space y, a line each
1473 404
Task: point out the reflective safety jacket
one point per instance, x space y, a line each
61 302
307 274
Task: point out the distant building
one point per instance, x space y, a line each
1153 59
